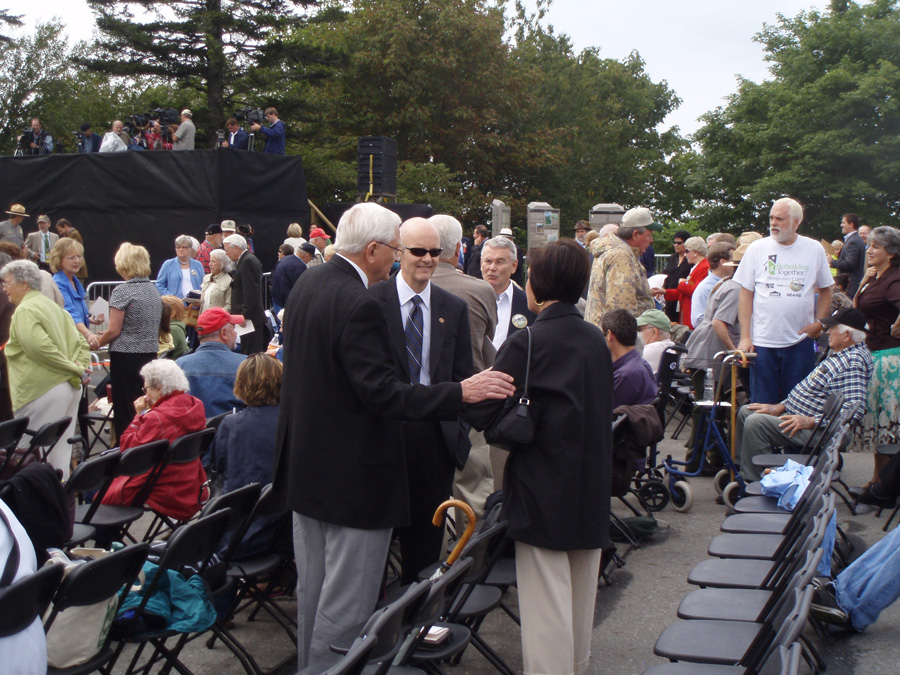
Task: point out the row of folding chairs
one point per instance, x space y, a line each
755 590
453 599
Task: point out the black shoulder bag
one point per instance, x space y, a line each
513 428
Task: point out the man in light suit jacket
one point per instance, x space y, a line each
40 243
474 483
346 482
852 258
434 450
247 294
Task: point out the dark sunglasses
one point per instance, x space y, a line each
677 243
420 252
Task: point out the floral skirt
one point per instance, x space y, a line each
881 424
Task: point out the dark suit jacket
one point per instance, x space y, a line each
92 144
450 353
556 492
519 306
348 467
473 267
247 297
241 140
852 260
285 275
519 275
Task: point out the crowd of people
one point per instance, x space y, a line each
157 134
422 337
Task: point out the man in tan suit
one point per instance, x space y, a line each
475 482
38 244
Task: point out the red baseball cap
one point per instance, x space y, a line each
214 319
318 232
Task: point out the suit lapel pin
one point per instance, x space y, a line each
441 320
519 321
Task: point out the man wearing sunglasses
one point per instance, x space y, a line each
430 341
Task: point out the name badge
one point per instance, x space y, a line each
519 321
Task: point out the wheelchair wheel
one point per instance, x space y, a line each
682 496
721 481
654 495
731 494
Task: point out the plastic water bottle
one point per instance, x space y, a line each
709 386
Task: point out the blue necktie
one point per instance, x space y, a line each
414 332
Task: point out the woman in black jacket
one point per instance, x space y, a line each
677 268
556 490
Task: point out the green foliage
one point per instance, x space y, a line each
7 19
825 130
207 47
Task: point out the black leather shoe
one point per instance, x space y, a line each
831 615
872 497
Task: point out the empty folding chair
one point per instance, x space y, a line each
25 600
91 583
39 447
735 643
781 661
92 475
11 432
356 659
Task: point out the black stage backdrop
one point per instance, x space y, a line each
149 198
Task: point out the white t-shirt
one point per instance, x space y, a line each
784 281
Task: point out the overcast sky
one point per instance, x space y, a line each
697 46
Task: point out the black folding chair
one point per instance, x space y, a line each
670 380
11 432
93 582
42 441
190 546
92 475
27 599
116 520
184 450
356 659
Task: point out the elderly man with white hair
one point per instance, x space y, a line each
347 482
474 483
247 294
785 293
790 423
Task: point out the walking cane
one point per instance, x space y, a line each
462 541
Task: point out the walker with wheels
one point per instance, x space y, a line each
728 481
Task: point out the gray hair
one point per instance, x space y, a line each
220 255
450 231
165 375
625 233
609 228
23 271
697 245
183 240
363 223
195 246
501 242
794 208
887 238
855 334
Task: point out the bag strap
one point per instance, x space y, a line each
12 562
527 365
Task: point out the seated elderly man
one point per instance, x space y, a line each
212 367
633 381
656 332
790 423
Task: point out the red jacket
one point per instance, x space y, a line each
685 290
177 493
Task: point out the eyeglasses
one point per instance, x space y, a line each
421 252
487 262
397 251
678 243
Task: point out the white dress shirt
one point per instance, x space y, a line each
406 304
504 313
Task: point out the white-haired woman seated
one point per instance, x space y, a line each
165 411
47 357
216 288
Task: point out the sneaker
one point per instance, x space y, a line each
831 616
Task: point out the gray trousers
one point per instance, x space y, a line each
339 571
756 434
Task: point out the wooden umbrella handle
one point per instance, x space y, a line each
466 535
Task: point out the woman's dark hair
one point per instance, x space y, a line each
842 281
165 321
258 380
558 271
684 235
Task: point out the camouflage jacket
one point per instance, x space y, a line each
618 280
